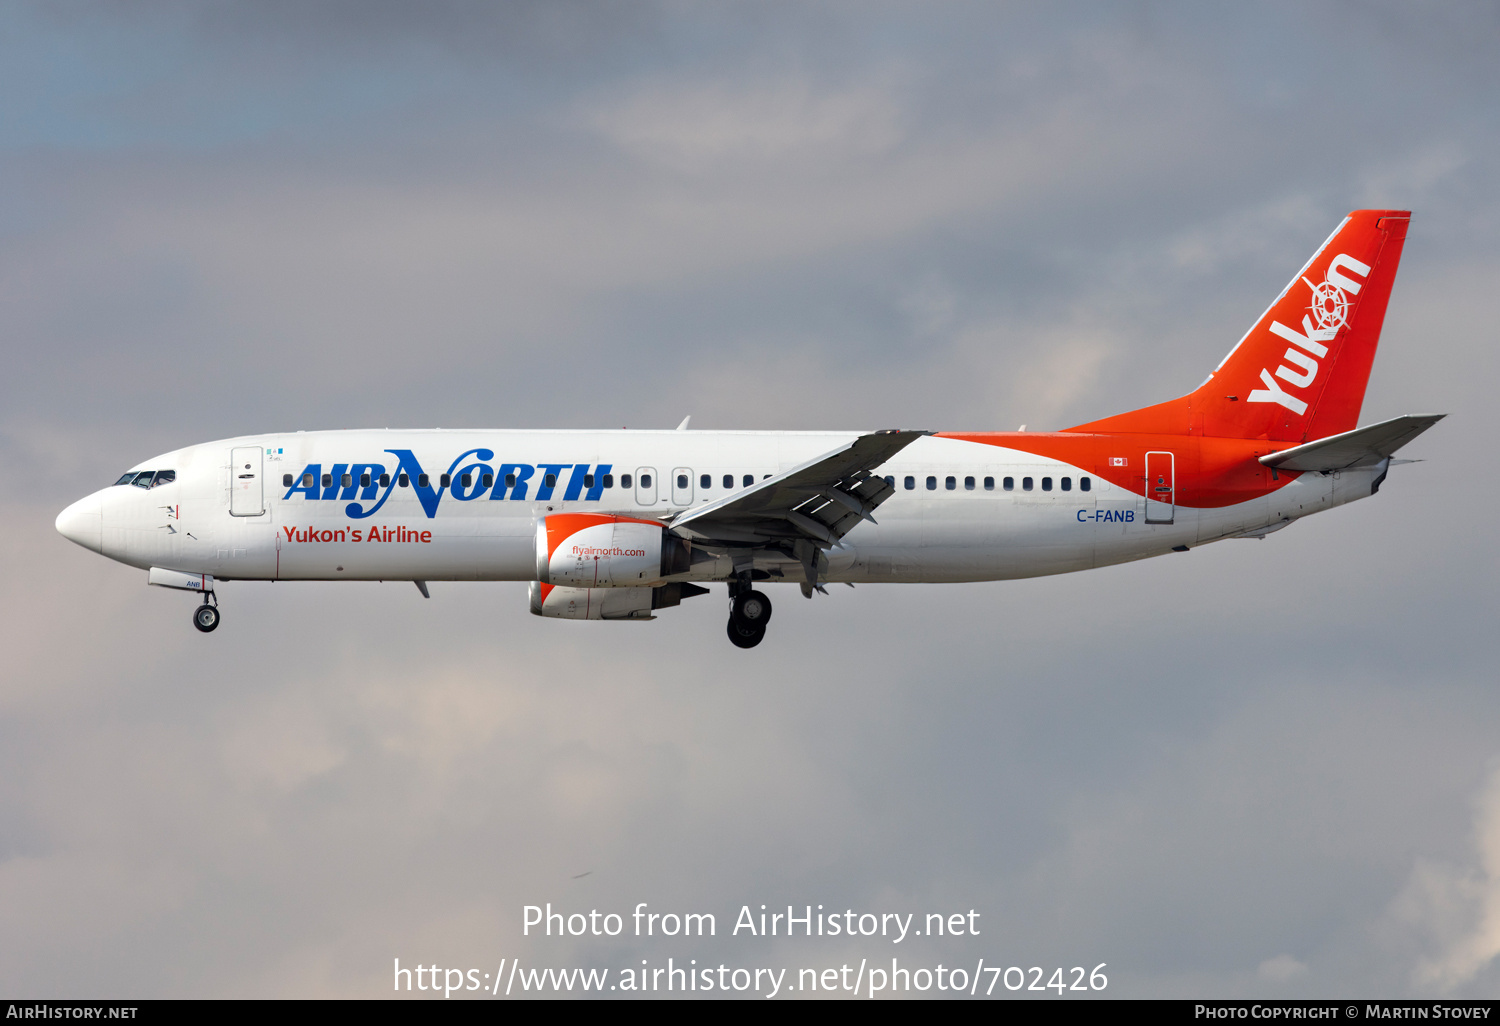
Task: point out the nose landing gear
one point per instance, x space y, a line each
749 612
206 617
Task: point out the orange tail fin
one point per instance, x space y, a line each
1300 373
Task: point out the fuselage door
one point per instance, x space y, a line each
1161 485
682 486
645 486
246 493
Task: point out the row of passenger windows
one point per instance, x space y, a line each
1008 484
950 483
157 478
488 480
148 478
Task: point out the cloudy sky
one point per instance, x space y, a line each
1263 768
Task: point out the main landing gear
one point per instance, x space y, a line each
206 617
749 612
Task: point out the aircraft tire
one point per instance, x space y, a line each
751 609
206 618
745 637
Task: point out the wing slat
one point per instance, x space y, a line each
797 504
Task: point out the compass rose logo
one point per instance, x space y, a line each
1329 306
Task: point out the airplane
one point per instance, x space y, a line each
618 525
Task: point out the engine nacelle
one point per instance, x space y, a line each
590 603
596 550
608 603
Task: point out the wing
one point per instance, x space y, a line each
1361 447
805 509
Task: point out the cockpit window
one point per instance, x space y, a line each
148 478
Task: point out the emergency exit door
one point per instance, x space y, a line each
246 494
1161 487
682 486
645 486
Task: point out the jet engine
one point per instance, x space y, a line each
597 550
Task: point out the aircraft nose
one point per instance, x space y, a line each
83 523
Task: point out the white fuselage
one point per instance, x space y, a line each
325 525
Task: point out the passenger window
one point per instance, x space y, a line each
550 480
488 480
444 480
466 480
624 480
510 480
422 480
682 481
1084 484
307 481
286 480
645 480
1009 484
1046 484
749 480
385 480
345 481
588 480
728 480
1025 484
950 483
164 477
989 484
890 479
911 483
968 484
327 480
364 480
403 480
1067 484
931 483
705 481
609 480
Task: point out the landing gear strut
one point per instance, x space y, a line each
206 617
749 612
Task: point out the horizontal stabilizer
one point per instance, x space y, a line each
1362 447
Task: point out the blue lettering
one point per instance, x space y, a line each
598 489
575 481
1081 518
1130 516
477 472
522 473
407 463
430 497
358 471
312 473
334 482
544 490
